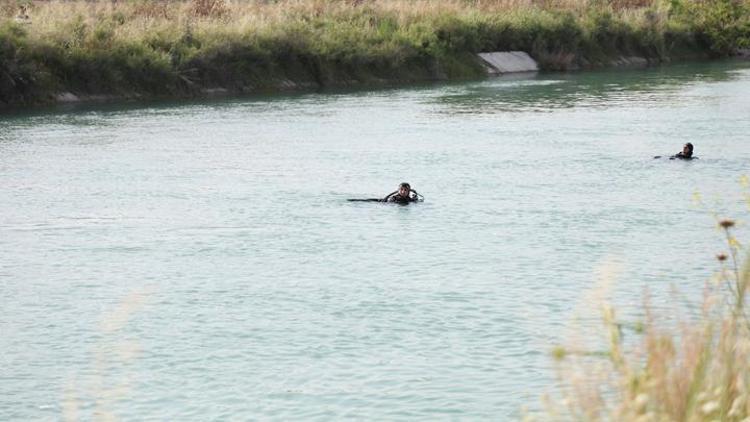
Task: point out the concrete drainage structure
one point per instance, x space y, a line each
500 62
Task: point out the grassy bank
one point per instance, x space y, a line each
185 48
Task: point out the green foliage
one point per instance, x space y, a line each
721 25
20 77
156 48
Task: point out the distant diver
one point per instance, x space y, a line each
685 154
403 196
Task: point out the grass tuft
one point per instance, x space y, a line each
691 369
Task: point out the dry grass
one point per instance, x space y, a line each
136 16
242 16
689 368
141 20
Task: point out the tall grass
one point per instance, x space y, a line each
133 47
694 369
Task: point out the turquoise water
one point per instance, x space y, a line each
199 261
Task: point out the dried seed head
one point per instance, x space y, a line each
726 223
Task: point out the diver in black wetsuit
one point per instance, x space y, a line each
403 195
686 154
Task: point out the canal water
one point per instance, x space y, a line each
175 261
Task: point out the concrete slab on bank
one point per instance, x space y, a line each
500 62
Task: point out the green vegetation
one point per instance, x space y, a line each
136 48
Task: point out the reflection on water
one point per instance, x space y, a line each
547 92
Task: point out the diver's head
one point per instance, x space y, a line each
404 189
687 150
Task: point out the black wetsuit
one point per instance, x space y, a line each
682 156
398 199
394 198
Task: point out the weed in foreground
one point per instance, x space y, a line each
690 369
